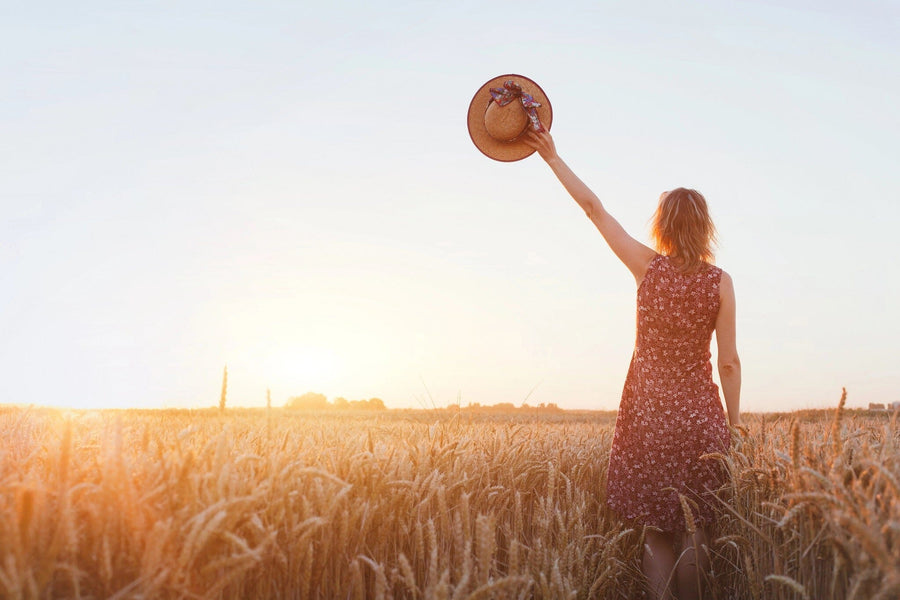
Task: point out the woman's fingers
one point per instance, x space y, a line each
537 139
540 141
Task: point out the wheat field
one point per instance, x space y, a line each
429 504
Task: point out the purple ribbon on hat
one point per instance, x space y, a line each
510 92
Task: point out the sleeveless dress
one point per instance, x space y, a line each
670 414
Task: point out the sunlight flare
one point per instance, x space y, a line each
302 368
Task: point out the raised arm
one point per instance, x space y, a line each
634 254
726 340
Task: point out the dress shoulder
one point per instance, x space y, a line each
715 273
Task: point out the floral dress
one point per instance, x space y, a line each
670 414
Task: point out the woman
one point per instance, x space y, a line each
670 414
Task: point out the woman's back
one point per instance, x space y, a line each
676 315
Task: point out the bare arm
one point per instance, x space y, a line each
729 363
634 254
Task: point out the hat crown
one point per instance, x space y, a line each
505 123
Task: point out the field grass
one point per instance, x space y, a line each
249 504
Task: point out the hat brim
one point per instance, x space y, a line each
504 151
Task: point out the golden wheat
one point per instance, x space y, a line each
269 504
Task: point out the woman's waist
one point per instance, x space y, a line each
673 363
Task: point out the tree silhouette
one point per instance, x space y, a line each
370 404
308 401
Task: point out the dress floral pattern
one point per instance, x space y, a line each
670 414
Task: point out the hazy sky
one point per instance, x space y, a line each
289 188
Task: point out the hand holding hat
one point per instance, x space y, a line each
541 141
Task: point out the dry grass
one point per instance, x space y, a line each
201 505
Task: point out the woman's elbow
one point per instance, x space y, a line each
729 365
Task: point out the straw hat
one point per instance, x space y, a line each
500 112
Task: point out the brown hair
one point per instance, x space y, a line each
683 229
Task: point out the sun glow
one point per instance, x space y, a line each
302 368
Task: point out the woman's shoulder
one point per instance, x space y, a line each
654 264
720 272
713 271
726 284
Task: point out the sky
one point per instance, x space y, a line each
289 189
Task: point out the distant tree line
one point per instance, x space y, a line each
314 401
509 407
